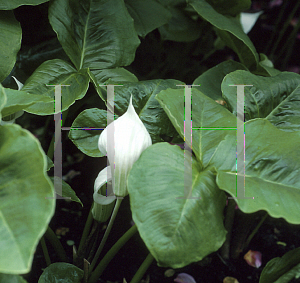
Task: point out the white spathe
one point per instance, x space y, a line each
130 139
248 20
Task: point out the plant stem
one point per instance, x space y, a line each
86 229
51 237
255 230
111 253
225 249
45 251
143 268
107 231
283 29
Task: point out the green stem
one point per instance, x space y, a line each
229 218
278 20
143 268
51 237
255 230
111 253
86 230
107 231
45 251
282 31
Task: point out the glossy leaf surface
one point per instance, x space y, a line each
177 229
24 188
95 34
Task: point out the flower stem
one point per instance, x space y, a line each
229 218
143 268
111 222
45 251
111 253
51 237
255 230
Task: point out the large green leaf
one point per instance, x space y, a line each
25 210
9 278
10 42
113 76
147 15
13 4
274 98
18 100
230 30
282 269
96 34
212 119
56 72
210 81
230 7
180 28
272 174
176 230
145 104
61 272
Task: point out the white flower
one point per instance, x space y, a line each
130 139
248 20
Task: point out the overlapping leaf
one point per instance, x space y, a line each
210 121
230 30
178 229
145 104
275 98
272 170
56 72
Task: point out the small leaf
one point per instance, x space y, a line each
253 258
184 278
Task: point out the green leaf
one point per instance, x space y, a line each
282 269
67 191
176 230
13 4
61 272
145 104
49 163
231 7
3 100
266 67
230 30
213 119
210 81
147 15
10 42
9 278
24 188
95 34
56 72
272 162
274 98
18 100
180 28
114 76
87 140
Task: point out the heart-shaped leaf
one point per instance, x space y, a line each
95 34
177 229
